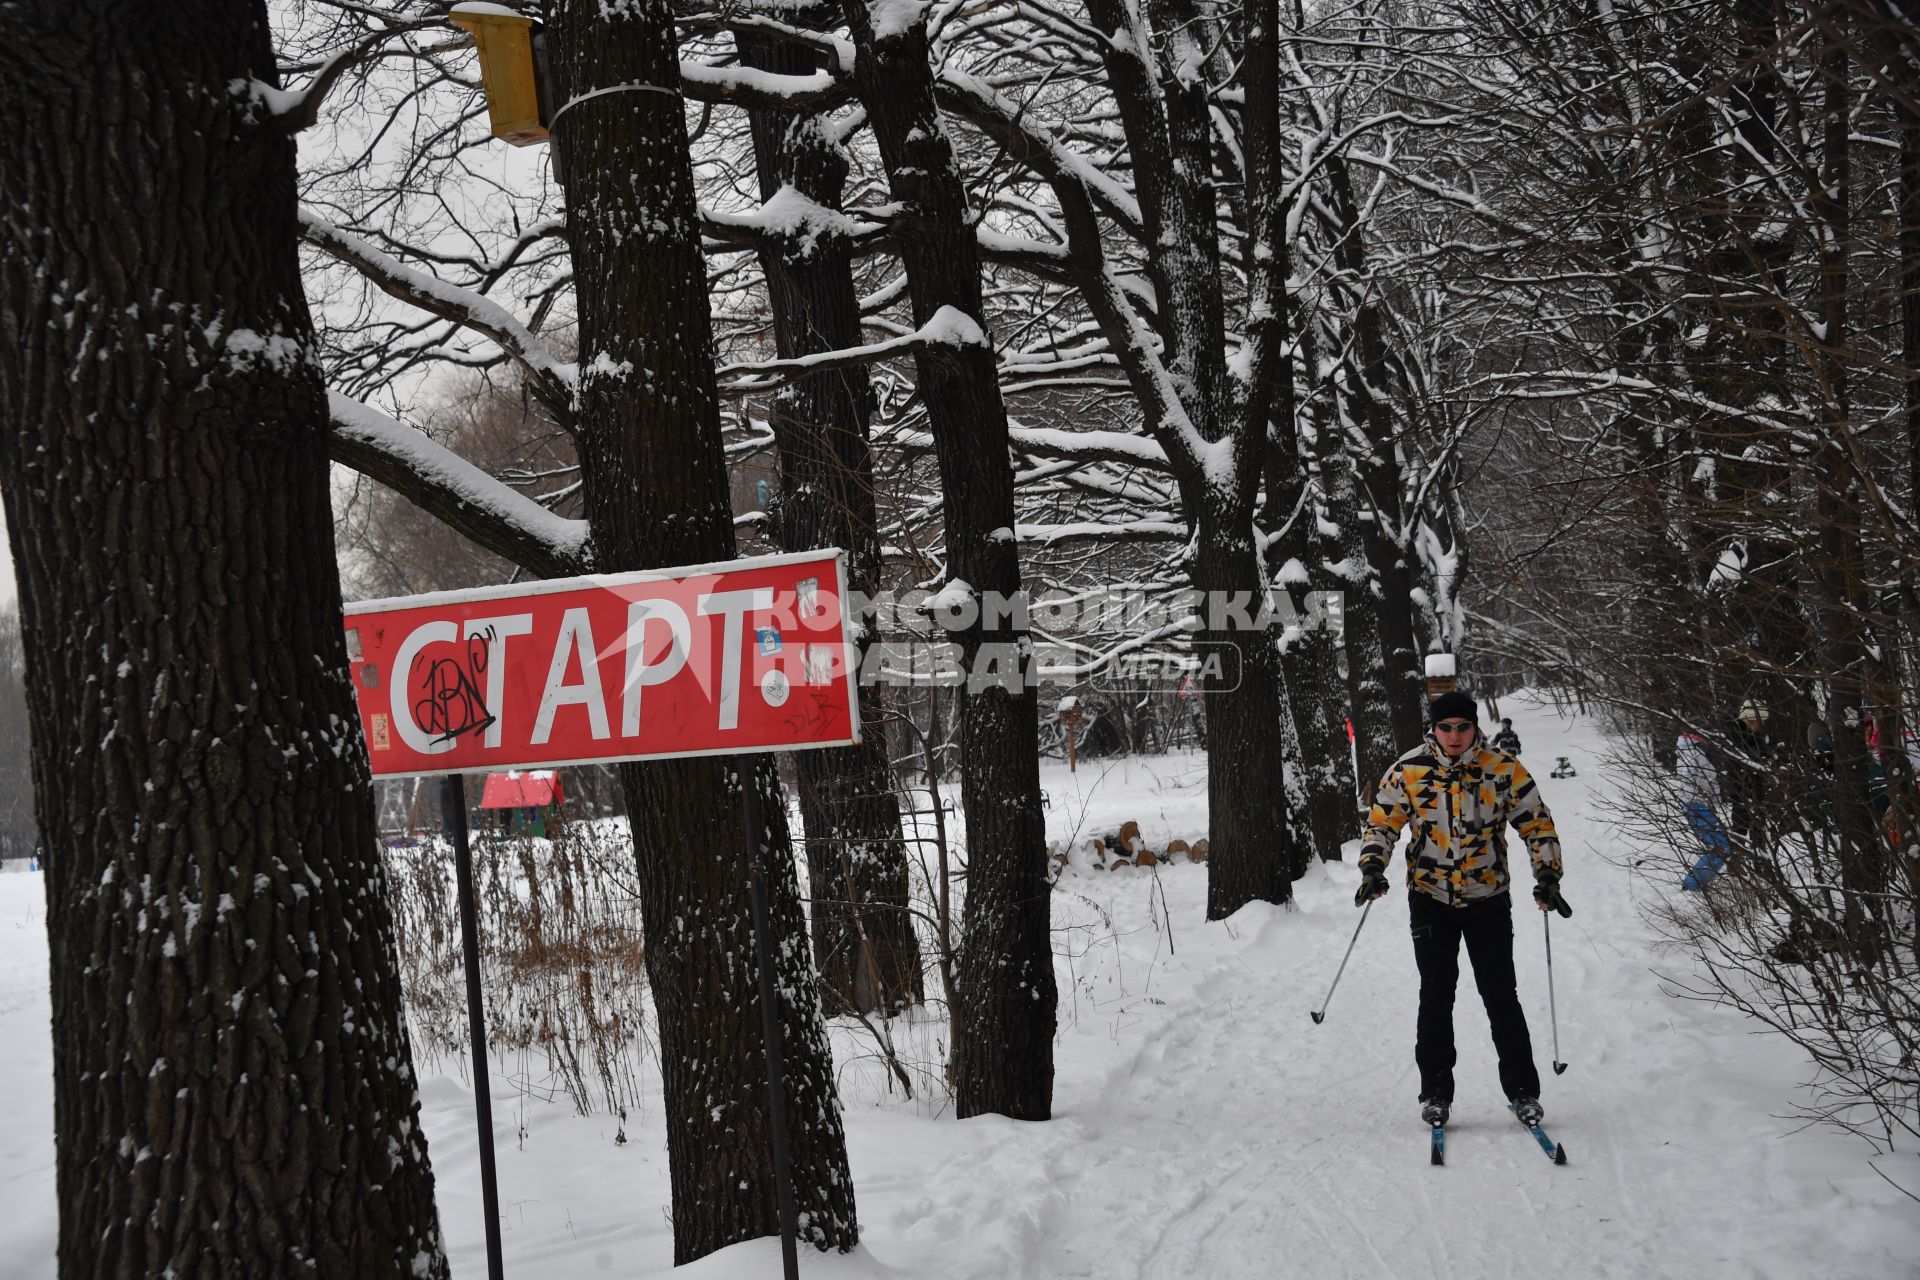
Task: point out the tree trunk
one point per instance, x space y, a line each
1166 109
1004 1063
1254 856
656 494
1339 564
1315 693
1839 587
1378 470
1900 779
234 1093
863 940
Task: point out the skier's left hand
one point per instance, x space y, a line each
1547 894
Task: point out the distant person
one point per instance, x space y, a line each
1455 794
1748 769
1506 740
1699 801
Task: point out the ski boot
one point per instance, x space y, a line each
1434 1110
1527 1109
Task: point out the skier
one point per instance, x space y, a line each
1457 794
1506 740
1699 798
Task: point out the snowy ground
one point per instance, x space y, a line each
1204 1126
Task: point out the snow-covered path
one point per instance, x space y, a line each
1205 1127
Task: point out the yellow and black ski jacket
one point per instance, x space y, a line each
1456 812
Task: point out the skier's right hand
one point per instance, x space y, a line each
1373 884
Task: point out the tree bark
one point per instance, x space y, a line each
863 939
1165 107
1004 1063
1315 693
1339 564
234 1093
1900 772
1838 588
654 478
1247 800
1378 469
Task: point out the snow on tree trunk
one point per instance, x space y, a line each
233 1089
1208 426
1339 563
1309 646
1377 464
863 939
656 493
1004 1062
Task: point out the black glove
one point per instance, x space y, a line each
1547 894
1373 884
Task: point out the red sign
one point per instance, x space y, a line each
751 655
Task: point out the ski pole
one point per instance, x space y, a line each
1321 1016
1553 1014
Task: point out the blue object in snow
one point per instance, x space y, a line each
1707 829
1705 870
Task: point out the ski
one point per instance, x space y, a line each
1439 1144
1555 1152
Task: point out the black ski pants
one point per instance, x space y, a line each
1487 928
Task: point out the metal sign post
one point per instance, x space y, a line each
732 658
453 803
770 1024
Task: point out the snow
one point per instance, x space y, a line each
952 327
566 537
277 101
892 18
1123 445
790 215
956 595
1203 1126
772 84
1044 534
949 326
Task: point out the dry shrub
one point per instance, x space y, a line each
561 966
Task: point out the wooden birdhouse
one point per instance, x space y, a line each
1440 674
510 45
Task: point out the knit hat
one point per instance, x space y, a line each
1452 706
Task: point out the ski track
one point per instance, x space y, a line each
1205 1128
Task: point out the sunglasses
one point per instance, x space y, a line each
1455 726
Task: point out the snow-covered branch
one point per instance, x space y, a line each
751 87
440 482
552 380
949 327
1102 531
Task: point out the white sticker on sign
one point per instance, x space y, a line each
774 687
818 665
